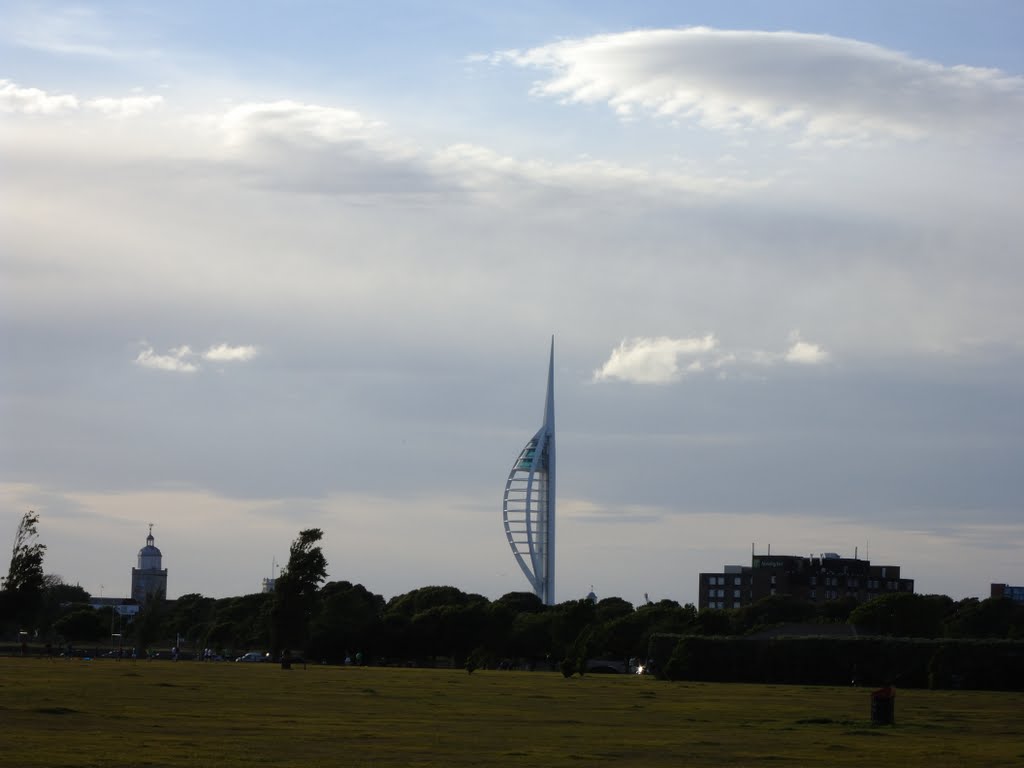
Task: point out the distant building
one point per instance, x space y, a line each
1005 590
149 580
124 606
268 585
814 579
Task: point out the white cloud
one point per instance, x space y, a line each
804 352
828 87
295 122
33 101
181 359
335 150
227 353
652 360
660 360
176 360
482 168
130 106
72 31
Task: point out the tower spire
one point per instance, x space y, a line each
549 400
528 510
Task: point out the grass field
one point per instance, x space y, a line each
109 713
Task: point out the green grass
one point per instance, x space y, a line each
108 713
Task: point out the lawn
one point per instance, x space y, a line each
123 713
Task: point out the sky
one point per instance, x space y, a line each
268 266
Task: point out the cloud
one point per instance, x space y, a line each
330 149
652 360
826 87
225 353
663 360
295 122
176 360
805 353
131 106
72 31
33 101
481 168
181 359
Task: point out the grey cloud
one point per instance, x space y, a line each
915 440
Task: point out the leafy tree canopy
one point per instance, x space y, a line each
21 598
307 566
25 573
424 598
903 614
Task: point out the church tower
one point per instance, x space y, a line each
149 580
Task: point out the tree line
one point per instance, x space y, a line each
329 621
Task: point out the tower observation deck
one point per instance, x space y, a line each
528 510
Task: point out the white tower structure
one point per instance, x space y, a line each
149 580
528 510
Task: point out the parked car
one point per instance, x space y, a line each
252 656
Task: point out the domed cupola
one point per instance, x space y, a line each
149 580
149 556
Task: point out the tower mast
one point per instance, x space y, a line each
528 510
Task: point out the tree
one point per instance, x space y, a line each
295 591
993 617
61 593
568 621
348 621
242 623
772 610
58 599
424 598
520 602
611 608
23 588
903 614
83 624
191 618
